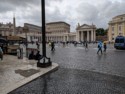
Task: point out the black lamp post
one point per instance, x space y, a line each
43 61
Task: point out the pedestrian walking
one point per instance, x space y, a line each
38 45
105 47
1 53
99 47
75 44
52 46
86 45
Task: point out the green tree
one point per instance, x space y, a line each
106 31
101 32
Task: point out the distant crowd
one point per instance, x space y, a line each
102 47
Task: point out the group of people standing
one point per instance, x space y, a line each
37 56
34 56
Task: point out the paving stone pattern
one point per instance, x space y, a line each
81 72
73 81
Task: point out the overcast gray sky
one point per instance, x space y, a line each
98 12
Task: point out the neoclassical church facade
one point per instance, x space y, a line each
86 33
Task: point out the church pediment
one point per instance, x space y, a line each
84 26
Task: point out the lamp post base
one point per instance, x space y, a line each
44 62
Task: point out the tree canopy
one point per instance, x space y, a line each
101 32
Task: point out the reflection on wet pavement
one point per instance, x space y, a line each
74 81
81 72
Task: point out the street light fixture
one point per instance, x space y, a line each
44 61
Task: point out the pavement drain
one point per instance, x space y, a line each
27 73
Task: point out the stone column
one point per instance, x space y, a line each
87 35
77 36
92 35
67 37
81 35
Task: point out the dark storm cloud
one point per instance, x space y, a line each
12 5
20 2
55 16
4 7
100 14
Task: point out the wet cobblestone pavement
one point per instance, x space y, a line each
81 72
73 81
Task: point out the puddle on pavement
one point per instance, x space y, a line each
26 73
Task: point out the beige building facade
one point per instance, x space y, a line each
59 31
86 32
116 27
55 31
6 29
33 33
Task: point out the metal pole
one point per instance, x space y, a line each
43 28
43 61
